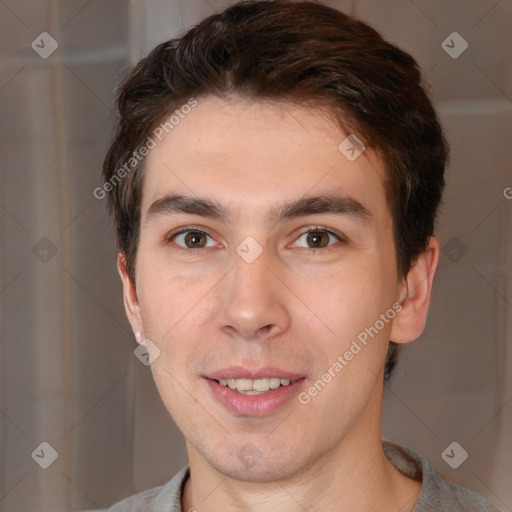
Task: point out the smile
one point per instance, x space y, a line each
254 386
254 397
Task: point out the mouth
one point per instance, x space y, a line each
254 393
255 386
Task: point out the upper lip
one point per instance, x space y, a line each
239 372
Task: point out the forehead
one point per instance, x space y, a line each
253 156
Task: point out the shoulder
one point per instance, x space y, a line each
436 494
165 498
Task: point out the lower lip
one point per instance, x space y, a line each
254 405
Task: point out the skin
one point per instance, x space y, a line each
298 306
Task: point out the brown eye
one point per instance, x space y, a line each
192 239
195 239
317 239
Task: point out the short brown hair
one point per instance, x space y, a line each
301 52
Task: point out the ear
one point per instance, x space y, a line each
415 292
131 303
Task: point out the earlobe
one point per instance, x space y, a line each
131 302
415 294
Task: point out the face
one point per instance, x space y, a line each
264 254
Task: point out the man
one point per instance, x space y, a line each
274 179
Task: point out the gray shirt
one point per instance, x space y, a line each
436 494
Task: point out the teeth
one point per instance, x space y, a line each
244 385
274 382
260 384
256 386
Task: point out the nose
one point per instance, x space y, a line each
254 301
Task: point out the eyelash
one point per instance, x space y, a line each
339 237
187 229
197 229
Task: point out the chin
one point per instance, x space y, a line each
262 474
261 468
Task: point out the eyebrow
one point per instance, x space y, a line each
310 205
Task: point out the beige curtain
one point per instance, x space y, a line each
81 423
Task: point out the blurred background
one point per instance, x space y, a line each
69 377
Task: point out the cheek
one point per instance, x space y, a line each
350 302
171 304
347 297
